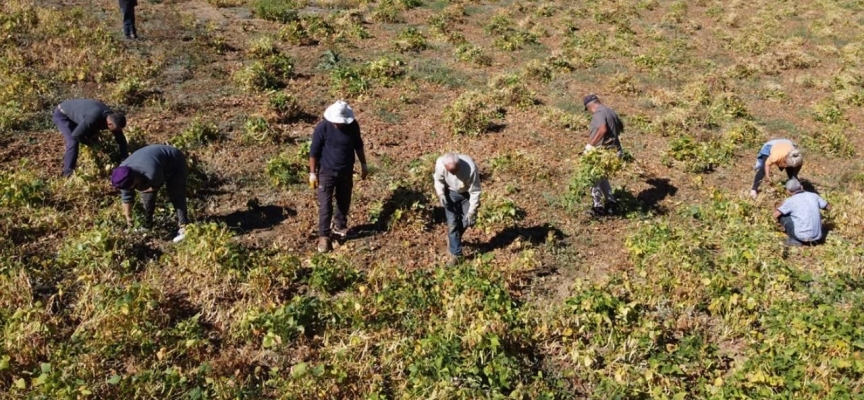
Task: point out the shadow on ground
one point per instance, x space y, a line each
534 235
254 218
646 201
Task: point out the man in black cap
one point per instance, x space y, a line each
604 130
80 120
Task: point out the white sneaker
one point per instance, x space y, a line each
181 234
753 194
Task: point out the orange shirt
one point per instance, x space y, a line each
778 154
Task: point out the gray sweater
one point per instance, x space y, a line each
157 163
90 115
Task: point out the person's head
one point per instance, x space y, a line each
339 113
793 186
794 159
124 178
591 102
116 122
451 162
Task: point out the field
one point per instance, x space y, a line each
687 294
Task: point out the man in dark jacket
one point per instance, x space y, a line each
146 170
80 120
335 140
127 7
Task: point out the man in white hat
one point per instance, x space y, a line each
335 140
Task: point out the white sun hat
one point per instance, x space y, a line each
339 113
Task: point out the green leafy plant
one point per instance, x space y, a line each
22 189
473 54
410 39
596 164
257 129
286 169
472 114
198 133
331 275
275 10
285 106
699 157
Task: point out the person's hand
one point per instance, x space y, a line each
313 180
470 220
364 171
588 148
443 201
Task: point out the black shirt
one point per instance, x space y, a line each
335 148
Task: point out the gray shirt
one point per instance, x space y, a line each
157 163
466 179
614 127
804 208
90 117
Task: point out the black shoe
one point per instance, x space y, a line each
597 212
790 242
612 207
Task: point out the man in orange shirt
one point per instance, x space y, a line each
780 152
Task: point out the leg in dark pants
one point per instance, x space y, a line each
176 187
789 228
455 211
332 183
344 186
66 126
127 7
148 201
792 172
760 173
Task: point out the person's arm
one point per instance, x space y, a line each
361 153
128 198
598 135
783 209
823 204
122 144
83 127
316 149
474 193
438 178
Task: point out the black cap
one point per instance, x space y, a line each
589 98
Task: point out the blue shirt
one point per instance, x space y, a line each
334 148
804 208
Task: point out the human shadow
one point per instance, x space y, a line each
808 185
650 198
403 198
534 235
255 217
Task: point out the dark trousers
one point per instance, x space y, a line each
175 185
66 126
455 211
760 173
789 227
128 10
330 184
